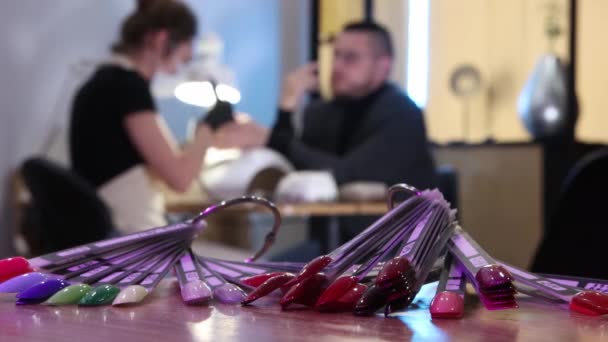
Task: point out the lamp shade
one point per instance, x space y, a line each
202 81
542 104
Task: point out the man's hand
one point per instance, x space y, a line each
296 84
242 133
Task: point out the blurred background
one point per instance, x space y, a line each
475 67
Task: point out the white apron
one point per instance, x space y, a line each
135 200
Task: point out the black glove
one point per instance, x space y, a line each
220 114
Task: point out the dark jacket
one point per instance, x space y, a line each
385 141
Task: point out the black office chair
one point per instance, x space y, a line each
65 210
577 235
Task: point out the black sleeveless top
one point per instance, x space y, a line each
100 147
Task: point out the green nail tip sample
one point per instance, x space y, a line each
69 295
100 295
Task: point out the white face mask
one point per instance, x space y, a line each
163 84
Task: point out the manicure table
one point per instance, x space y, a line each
163 316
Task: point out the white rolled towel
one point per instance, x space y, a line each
307 186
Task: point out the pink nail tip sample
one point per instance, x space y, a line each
447 304
593 303
229 294
196 292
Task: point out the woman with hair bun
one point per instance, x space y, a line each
118 142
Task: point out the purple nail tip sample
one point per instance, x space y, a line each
42 290
22 282
229 294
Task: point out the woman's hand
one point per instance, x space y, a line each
242 133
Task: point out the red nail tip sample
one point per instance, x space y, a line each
313 267
592 303
336 290
306 292
268 286
395 270
12 267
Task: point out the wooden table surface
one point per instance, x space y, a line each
293 209
163 317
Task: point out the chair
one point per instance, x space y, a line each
578 230
65 209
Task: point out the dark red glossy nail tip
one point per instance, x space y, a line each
393 271
493 276
313 267
257 280
372 300
336 290
350 298
306 292
268 286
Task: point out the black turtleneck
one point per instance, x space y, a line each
355 110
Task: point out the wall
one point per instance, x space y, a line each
393 14
39 42
333 14
503 39
252 48
592 71
503 214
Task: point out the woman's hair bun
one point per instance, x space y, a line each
144 5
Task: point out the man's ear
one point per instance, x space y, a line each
386 64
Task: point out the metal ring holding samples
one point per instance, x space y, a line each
397 188
270 237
